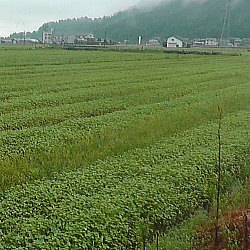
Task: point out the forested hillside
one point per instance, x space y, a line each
190 20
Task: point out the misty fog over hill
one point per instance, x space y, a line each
186 18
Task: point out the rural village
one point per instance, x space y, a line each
48 38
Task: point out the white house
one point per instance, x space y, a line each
211 42
153 42
199 41
236 42
85 39
7 41
47 36
89 38
26 41
175 42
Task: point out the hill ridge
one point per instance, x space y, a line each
191 20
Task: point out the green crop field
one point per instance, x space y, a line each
101 149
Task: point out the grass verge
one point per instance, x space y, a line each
198 232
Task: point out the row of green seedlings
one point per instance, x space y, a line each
40 112
79 127
142 224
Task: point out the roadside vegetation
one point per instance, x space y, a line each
198 232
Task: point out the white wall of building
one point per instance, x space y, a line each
174 42
47 37
211 42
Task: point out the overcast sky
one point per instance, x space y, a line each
20 15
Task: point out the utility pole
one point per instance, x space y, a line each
218 179
24 38
105 38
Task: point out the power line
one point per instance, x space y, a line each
225 33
